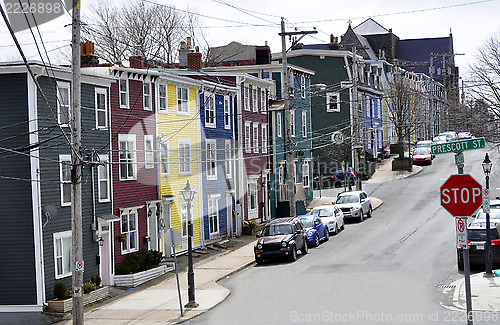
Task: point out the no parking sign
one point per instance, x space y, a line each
461 228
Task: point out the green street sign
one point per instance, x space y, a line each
455 146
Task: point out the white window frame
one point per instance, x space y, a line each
126 245
213 215
61 105
149 153
63 237
123 92
210 118
304 124
184 217
255 107
65 160
279 125
303 87
98 125
263 101
248 137
107 179
164 157
211 159
162 98
182 103
147 98
132 161
246 99
292 122
255 137
186 160
252 188
264 138
335 103
227 113
228 151
306 177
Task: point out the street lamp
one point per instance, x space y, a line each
188 194
487 169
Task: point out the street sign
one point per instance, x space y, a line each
79 266
173 236
486 200
458 146
461 195
337 137
461 229
459 158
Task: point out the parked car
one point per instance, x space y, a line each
422 156
464 135
316 230
423 144
439 139
331 216
480 217
339 177
354 204
476 236
450 135
281 237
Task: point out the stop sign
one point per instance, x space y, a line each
461 195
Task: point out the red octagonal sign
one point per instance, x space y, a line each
461 195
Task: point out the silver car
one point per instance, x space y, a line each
331 216
356 204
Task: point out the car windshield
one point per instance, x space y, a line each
307 222
322 212
493 214
347 199
424 144
273 230
421 151
480 234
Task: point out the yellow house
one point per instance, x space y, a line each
178 127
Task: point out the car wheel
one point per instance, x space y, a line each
361 216
336 229
369 214
327 234
293 256
304 249
316 240
259 261
343 225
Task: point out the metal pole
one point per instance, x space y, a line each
192 302
319 175
488 236
355 120
76 170
176 271
288 127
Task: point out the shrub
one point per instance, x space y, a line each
60 290
248 227
89 287
96 279
139 261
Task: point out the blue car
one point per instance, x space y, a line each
315 229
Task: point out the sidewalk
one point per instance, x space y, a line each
485 293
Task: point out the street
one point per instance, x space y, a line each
387 269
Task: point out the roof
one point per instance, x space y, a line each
419 50
370 27
281 220
369 51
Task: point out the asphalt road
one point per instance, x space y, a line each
385 270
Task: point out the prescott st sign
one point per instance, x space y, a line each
458 146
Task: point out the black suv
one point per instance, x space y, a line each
476 234
281 237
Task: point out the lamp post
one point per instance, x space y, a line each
487 169
188 194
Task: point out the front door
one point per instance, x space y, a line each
106 254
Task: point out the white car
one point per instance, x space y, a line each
480 217
354 204
331 216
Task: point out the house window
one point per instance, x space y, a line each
264 138
263 102
255 108
252 195
228 150
213 215
333 102
129 229
292 122
103 176
164 158
65 179
162 98
255 137
210 110
227 113
62 254
101 108
147 96
248 144
123 93
303 86
211 159
184 217
304 124
63 107
182 101
247 98
149 157
279 126
305 174
184 156
126 145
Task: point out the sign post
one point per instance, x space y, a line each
461 196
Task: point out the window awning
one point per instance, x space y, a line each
108 217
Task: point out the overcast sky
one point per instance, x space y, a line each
257 21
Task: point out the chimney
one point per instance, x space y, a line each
194 61
87 57
137 62
263 54
185 48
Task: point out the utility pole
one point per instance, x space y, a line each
355 120
76 170
288 116
430 94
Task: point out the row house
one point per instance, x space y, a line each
36 181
